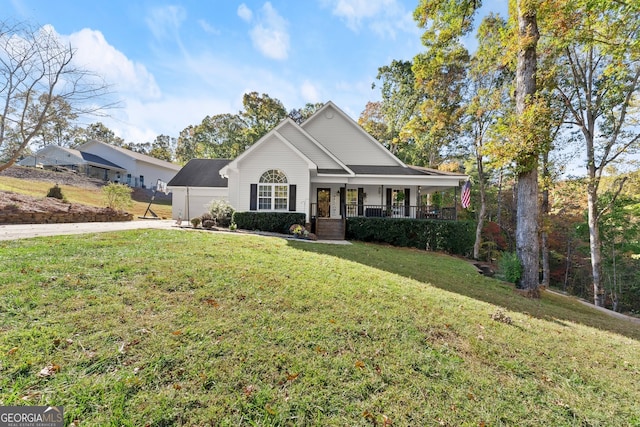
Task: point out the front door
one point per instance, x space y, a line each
324 202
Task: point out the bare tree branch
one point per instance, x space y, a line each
37 76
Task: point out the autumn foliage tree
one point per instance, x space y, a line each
597 77
227 135
445 23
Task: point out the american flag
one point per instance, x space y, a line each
465 197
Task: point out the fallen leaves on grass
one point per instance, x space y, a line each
500 316
32 395
211 302
249 390
386 421
125 346
49 370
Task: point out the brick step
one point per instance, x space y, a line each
330 229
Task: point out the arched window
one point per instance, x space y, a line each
273 191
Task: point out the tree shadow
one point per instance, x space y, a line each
462 277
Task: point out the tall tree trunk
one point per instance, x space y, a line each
483 208
546 270
527 245
595 245
499 201
544 235
568 263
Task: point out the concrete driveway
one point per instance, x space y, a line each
25 231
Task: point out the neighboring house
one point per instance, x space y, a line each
55 157
107 162
141 170
329 168
196 185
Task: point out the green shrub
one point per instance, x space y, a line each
55 192
276 222
509 267
117 196
455 237
222 212
195 222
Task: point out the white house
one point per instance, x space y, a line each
330 169
140 170
107 162
53 156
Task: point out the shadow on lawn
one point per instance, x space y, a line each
460 276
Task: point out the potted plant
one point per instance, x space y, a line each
298 231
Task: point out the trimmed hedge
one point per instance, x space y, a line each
454 237
275 222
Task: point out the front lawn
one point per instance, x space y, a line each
160 328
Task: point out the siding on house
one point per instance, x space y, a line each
310 149
144 170
346 140
194 201
271 154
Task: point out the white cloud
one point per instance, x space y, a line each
143 121
270 36
208 28
309 92
384 17
164 22
95 54
245 13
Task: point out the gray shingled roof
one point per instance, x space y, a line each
396 170
92 158
200 173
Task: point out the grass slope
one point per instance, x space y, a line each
166 328
84 196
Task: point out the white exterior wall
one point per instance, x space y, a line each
308 147
195 203
272 154
347 141
152 173
234 189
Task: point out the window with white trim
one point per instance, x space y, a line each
273 191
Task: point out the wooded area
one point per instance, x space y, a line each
553 84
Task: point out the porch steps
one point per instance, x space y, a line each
330 229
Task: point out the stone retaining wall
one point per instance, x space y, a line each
107 215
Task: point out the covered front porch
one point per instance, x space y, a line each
331 205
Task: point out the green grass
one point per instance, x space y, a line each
80 195
163 328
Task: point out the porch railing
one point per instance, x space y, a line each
401 211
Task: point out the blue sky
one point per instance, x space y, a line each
174 62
